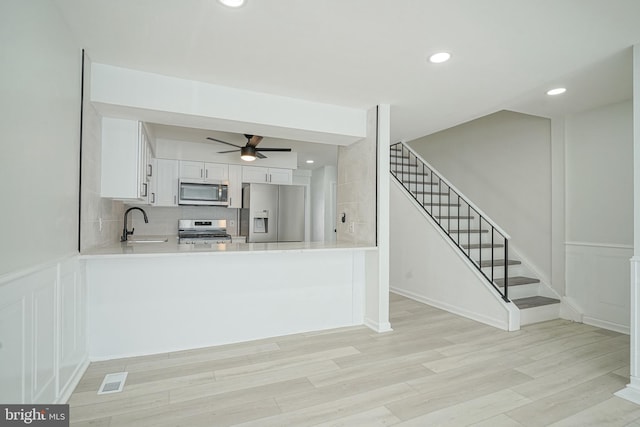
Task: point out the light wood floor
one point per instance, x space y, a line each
434 369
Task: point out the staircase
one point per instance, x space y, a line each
478 238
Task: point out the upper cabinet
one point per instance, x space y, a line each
235 186
126 160
266 175
164 188
207 172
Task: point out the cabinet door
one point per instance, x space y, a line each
149 163
121 159
280 176
235 186
165 188
254 174
191 170
216 172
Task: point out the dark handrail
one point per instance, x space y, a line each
403 174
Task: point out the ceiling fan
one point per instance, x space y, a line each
250 151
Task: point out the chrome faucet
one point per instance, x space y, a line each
126 233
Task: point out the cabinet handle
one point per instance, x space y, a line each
175 200
266 177
206 173
153 197
144 185
149 170
200 173
230 201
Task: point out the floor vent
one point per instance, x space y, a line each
113 383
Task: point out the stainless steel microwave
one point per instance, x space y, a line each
194 192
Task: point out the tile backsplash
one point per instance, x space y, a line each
164 220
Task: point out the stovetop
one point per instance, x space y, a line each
202 230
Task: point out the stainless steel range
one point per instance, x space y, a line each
203 231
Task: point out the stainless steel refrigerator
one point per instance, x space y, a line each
272 213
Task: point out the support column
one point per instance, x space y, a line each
632 391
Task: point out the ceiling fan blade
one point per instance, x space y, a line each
284 150
223 142
254 140
229 151
260 155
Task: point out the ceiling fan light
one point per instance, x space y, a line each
248 153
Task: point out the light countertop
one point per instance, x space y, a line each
150 247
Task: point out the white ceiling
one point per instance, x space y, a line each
359 53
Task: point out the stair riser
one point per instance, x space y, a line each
498 253
523 291
475 238
539 314
498 272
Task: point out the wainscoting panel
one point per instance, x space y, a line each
12 351
42 338
598 281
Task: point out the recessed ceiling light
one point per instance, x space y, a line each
439 57
309 161
556 91
232 3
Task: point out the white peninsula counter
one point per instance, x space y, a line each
146 298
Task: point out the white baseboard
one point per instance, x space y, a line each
496 323
569 310
604 324
66 393
377 326
629 393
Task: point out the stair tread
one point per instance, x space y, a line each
442 204
498 262
413 175
430 193
406 165
469 231
482 246
517 281
536 301
454 217
419 182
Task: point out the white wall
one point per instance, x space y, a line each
170 100
42 307
101 218
599 213
39 118
323 202
502 162
207 299
632 391
425 266
303 177
356 188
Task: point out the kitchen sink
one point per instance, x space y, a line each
143 240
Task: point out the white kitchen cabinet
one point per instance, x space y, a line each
164 185
125 165
266 175
280 176
208 172
235 186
